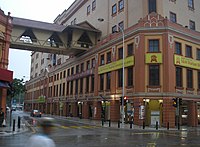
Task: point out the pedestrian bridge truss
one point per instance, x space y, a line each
53 38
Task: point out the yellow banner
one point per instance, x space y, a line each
153 58
129 61
186 62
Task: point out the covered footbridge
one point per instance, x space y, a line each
53 38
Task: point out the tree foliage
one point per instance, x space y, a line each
16 87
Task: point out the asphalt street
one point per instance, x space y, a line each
74 134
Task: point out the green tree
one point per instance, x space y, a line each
17 88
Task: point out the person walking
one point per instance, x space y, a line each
1 117
43 139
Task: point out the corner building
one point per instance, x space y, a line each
162 53
6 76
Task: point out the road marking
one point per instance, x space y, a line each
78 127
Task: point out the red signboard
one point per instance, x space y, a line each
6 75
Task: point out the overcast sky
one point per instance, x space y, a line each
42 10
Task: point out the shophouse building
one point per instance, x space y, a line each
6 76
161 44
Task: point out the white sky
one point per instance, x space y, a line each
41 10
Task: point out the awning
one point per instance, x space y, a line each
4 84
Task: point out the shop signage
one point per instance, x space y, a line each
186 62
129 61
153 58
141 112
80 75
41 99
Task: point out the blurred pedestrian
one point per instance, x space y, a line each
1 117
43 139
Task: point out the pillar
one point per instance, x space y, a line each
169 113
97 110
137 103
85 110
192 118
114 110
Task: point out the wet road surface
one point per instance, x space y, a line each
73 134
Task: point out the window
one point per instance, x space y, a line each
63 89
189 78
198 54
130 49
76 88
88 64
81 85
67 88
101 81
60 90
198 79
71 89
178 49
82 67
130 76
154 79
152 6
88 10
120 53
120 77
42 61
64 74
87 84
108 57
108 77
68 72
188 51
173 1
154 45
192 25
77 69
114 29
72 70
59 61
92 83
179 77
93 5
191 4
57 76
121 26
102 60
61 75
36 66
114 9
121 5
172 17
93 62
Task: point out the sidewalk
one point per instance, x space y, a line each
9 130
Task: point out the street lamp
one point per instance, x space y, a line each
123 75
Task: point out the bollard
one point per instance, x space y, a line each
156 125
143 125
178 126
102 122
13 125
168 126
109 122
131 124
119 124
19 121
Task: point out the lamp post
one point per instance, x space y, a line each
123 69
